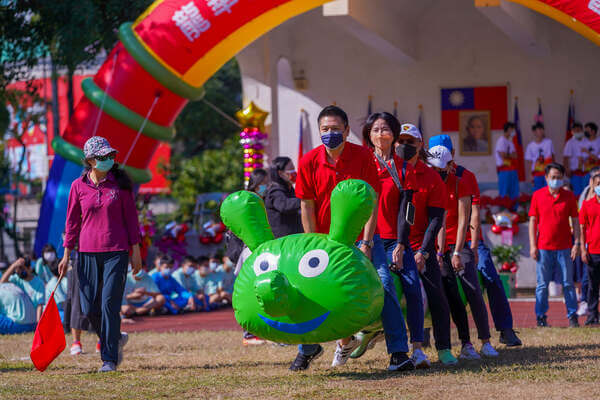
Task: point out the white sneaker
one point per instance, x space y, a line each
122 342
420 359
343 352
487 350
76 348
468 353
582 309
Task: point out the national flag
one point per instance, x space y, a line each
488 98
420 122
570 118
301 137
369 112
518 142
49 338
539 117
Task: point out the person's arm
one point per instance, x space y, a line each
475 228
584 251
369 230
533 250
130 216
441 240
577 237
309 217
283 203
436 220
11 270
72 228
39 311
464 206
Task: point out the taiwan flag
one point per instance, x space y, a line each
486 98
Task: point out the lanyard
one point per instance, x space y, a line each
392 171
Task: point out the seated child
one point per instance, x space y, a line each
21 274
46 263
141 295
156 263
17 314
227 278
60 295
177 298
209 282
185 277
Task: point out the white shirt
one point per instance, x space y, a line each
503 145
574 150
534 150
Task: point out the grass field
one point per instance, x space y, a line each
555 363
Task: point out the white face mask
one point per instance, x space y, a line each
50 256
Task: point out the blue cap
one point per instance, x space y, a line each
441 140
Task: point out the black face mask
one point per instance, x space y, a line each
406 151
443 175
23 274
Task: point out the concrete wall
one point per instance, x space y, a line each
454 45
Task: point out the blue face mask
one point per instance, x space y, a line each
555 183
104 166
166 272
332 139
597 190
262 189
189 271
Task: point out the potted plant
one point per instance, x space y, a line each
507 258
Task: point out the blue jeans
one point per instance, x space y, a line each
548 261
508 184
411 286
539 182
579 182
101 283
499 306
391 316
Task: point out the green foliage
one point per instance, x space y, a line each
215 170
507 254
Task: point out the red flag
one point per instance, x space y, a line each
570 119
49 339
518 142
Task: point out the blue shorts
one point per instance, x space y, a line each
10 327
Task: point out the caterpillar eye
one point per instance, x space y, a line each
265 262
313 263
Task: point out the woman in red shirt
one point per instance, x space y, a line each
102 221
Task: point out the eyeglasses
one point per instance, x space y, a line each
381 132
110 156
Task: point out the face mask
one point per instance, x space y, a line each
50 257
578 135
189 271
140 274
262 189
597 190
406 151
332 139
166 272
129 268
555 183
229 263
513 134
104 166
23 274
443 175
212 265
292 176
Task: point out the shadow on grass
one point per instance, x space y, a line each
522 359
15 367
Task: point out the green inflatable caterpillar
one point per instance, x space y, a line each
309 287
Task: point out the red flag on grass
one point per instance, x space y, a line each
49 339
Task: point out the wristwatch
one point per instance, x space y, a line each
456 253
369 243
424 253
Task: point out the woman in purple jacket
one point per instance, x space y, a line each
102 221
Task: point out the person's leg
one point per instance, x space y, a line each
457 307
513 189
585 282
114 276
308 349
411 286
394 327
470 284
499 306
438 304
503 183
544 268
566 266
594 286
89 274
76 333
127 310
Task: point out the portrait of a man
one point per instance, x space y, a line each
475 133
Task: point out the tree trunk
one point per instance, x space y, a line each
16 195
70 99
55 114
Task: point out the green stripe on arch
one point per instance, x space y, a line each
75 155
155 68
123 114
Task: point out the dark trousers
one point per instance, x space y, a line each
594 285
101 284
438 304
470 286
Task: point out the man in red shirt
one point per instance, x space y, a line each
551 243
319 171
589 217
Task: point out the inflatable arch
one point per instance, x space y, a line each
162 61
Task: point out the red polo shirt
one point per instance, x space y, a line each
452 205
389 198
430 192
317 177
552 214
589 218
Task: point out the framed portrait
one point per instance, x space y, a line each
475 133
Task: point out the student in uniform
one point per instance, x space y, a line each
185 276
177 298
17 313
538 154
46 263
576 154
506 157
141 295
21 274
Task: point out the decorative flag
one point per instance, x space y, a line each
49 338
396 109
301 137
539 117
570 118
369 112
420 122
488 98
518 142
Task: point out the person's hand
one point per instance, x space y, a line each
136 262
192 303
440 260
475 255
457 264
420 261
141 291
366 250
585 255
63 265
398 257
534 253
574 252
175 306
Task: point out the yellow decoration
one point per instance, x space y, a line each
252 117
